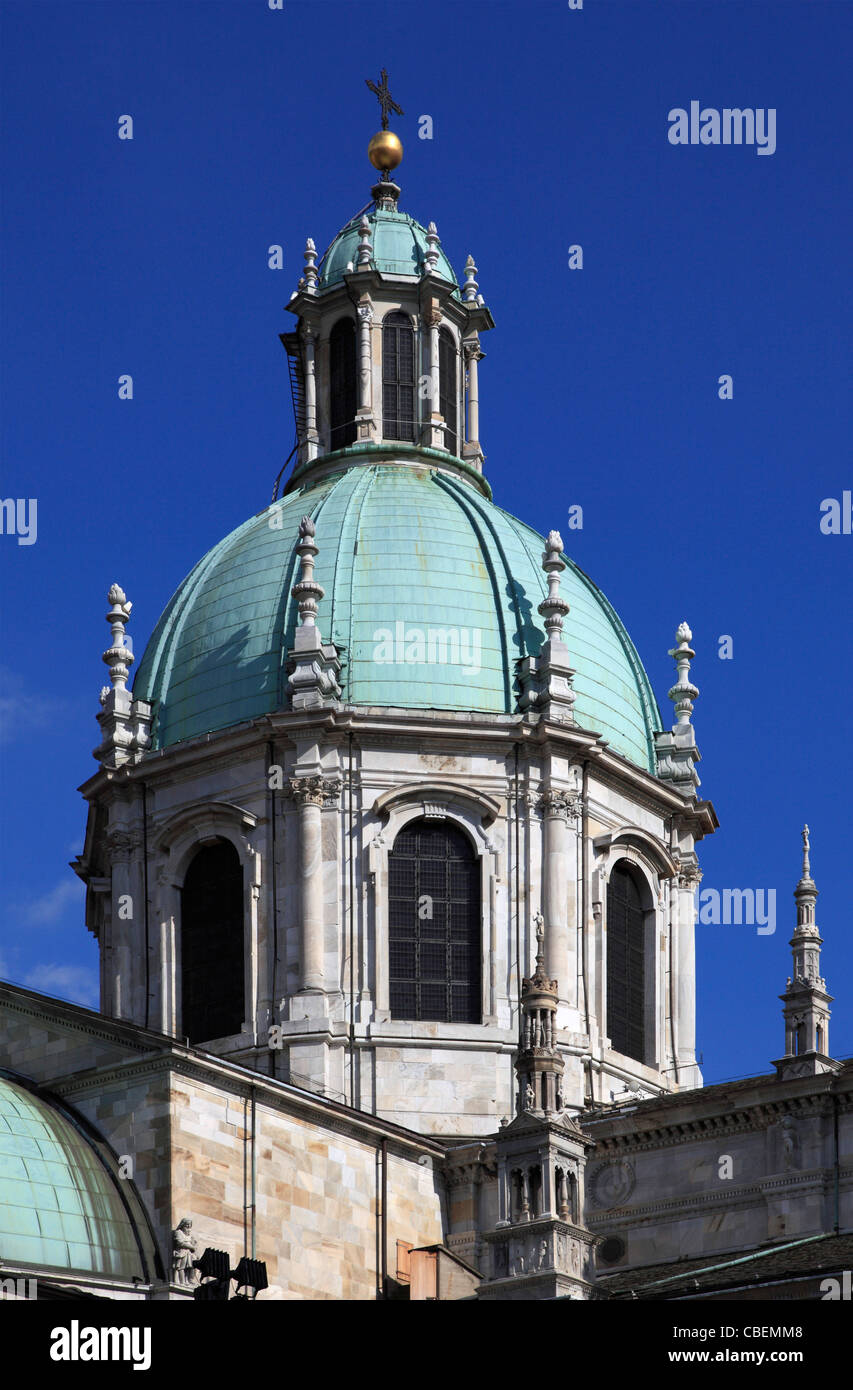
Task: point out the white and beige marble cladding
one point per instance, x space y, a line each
728 1170
326 985
195 1129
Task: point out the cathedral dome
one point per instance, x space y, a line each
431 595
399 248
60 1206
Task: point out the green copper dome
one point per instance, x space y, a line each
60 1208
399 247
431 594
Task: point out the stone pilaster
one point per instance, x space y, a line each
311 794
560 809
365 416
684 964
471 450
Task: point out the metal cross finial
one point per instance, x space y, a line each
383 95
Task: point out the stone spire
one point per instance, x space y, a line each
553 608
805 1001
124 721
546 680
313 667
307 591
683 693
310 277
539 1247
677 753
118 656
539 1066
470 288
365 249
431 256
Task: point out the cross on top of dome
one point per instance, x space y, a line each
383 95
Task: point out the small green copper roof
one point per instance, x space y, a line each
402 550
399 246
59 1206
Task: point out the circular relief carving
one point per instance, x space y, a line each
612 1183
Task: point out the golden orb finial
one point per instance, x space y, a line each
385 151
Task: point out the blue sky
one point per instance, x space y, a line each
600 386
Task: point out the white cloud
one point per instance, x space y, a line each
76 983
50 907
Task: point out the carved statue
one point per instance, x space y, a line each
529 1097
789 1144
184 1246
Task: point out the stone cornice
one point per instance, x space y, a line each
650 1131
497 729
49 1011
159 1054
278 1095
700 1203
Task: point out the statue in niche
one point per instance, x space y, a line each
789 1144
529 1097
184 1246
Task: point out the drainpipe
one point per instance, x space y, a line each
384 1226
145 895
673 963
274 875
834 1094
517 902
584 915
351 930
254 1173
249 1175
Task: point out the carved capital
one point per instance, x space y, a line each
315 791
689 880
122 844
564 804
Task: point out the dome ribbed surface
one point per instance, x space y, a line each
397 545
399 246
59 1206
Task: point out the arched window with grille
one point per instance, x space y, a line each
448 389
626 963
212 955
399 417
434 925
342 384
